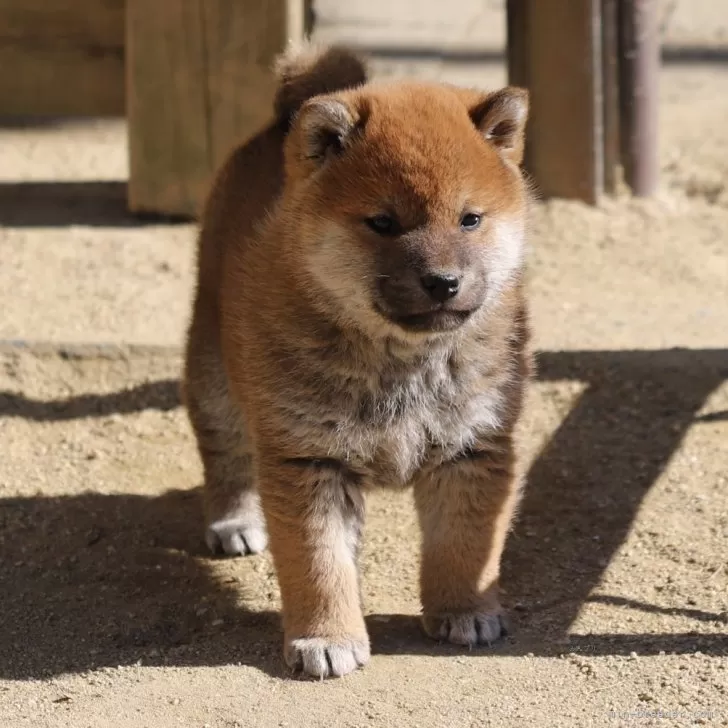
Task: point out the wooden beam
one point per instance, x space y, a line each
62 57
198 83
556 52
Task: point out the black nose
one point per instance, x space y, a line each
441 286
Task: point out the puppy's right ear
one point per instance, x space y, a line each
501 118
325 128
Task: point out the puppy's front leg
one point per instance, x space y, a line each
314 510
465 508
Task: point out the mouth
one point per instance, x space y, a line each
439 320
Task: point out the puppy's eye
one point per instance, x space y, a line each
470 221
383 224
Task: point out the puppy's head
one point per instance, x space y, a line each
407 202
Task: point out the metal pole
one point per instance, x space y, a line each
638 88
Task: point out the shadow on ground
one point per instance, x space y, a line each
162 395
99 580
60 204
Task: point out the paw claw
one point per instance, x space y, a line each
234 537
469 629
322 658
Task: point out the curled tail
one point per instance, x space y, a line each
309 71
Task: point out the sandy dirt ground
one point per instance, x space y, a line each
112 613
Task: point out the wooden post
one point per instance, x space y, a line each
198 82
517 39
639 71
610 93
555 50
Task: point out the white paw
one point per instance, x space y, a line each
322 658
470 628
236 537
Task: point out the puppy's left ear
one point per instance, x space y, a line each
501 118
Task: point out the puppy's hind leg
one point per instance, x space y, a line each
233 516
234 519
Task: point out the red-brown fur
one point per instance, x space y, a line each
318 366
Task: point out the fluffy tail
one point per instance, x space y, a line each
308 71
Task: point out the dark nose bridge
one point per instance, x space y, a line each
435 250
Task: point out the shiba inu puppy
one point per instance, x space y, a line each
360 322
